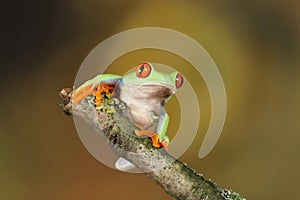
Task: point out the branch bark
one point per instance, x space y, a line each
176 178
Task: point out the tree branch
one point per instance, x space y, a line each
177 179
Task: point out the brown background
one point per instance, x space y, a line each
255 45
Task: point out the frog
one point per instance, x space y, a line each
145 91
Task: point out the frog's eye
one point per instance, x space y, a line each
143 70
178 80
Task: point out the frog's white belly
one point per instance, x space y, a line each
144 116
144 102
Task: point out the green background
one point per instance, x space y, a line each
255 44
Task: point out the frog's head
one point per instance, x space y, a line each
146 75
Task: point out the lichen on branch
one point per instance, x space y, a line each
111 122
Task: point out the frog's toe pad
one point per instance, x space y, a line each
99 89
155 140
164 145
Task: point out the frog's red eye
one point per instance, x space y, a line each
143 70
179 80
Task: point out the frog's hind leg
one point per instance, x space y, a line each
78 95
93 89
103 83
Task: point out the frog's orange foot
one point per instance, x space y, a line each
99 89
154 138
94 89
155 141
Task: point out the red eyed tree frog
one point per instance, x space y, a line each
145 91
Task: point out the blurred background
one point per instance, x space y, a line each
255 44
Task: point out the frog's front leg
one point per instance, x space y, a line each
161 128
96 86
